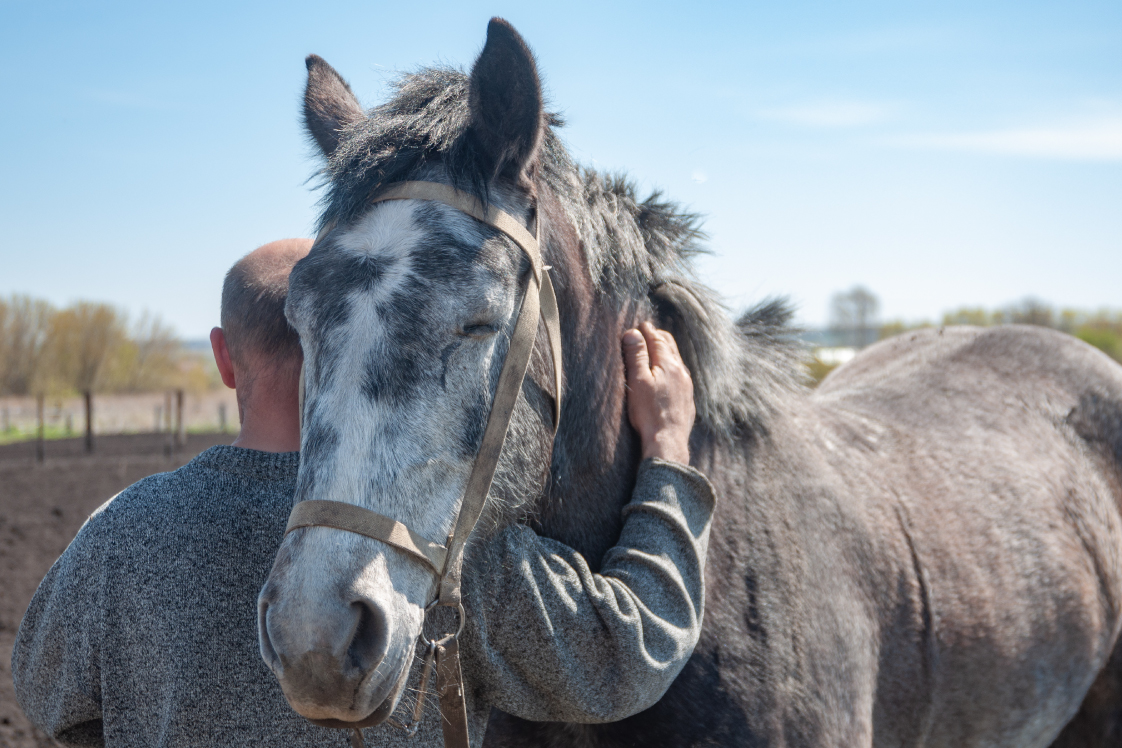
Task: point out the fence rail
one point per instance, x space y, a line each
175 413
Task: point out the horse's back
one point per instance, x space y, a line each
1002 449
1032 361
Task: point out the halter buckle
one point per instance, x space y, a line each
432 646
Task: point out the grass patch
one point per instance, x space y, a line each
52 433
11 436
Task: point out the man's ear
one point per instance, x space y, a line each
222 357
329 104
505 97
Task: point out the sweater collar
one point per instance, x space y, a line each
252 462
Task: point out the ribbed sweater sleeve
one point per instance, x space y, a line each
548 640
55 662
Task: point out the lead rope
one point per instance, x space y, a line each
538 300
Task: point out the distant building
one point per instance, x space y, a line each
834 356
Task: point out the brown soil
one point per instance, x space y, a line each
41 508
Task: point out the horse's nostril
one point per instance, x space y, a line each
371 637
268 654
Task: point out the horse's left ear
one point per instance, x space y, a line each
506 103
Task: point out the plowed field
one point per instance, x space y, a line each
41 508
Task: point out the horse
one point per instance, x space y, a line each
922 551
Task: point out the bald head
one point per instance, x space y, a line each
253 297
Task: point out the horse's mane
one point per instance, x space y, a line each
635 249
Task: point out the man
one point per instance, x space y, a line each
144 631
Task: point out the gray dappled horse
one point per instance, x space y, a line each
924 551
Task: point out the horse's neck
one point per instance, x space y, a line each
597 453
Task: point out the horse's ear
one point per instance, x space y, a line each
329 104
506 102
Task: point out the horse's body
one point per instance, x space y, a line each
925 551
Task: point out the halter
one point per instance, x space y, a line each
446 561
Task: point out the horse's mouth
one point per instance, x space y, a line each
375 718
380 714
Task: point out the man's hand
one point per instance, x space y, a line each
660 398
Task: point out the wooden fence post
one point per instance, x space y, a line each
40 441
180 425
89 421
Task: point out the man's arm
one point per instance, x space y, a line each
547 639
55 658
555 642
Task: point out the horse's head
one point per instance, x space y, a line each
405 310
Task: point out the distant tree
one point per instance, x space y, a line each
84 338
90 347
853 316
899 327
1104 331
24 333
1029 311
817 371
1069 320
1106 340
148 360
968 316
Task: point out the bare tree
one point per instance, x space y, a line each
148 360
853 316
89 347
976 316
25 325
84 338
1029 311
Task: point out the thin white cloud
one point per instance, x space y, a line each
828 114
1092 140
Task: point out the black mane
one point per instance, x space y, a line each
636 249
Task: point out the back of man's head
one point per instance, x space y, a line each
253 296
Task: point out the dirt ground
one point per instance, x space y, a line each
41 508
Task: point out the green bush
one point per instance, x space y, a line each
818 370
1106 339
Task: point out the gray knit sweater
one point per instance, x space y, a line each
144 632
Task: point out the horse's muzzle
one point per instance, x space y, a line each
332 658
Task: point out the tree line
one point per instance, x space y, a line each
1102 329
855 323
89 347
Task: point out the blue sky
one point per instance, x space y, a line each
942 154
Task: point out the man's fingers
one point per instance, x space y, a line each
671 344
663 349
635 355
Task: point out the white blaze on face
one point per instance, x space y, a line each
398 458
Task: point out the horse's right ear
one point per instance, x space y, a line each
505 97
329 104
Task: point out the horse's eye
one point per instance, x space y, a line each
479 331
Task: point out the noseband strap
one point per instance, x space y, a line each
356 519
538 301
